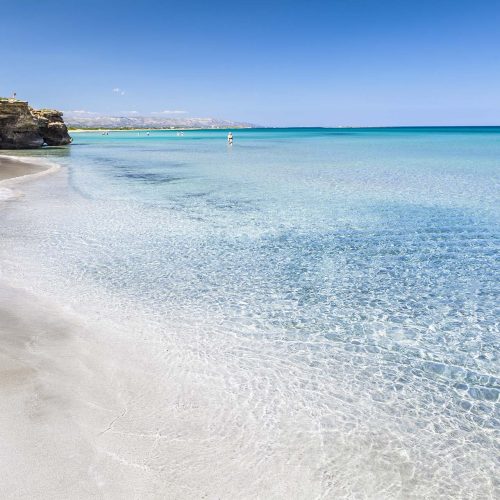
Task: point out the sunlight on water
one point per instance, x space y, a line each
324 302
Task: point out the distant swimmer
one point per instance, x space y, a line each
230 138
147 133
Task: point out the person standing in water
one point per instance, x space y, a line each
230 138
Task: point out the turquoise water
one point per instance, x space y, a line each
334 292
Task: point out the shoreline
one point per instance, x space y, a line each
22 169
36 381
145 129
15 170
58 391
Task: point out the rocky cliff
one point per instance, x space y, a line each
22 127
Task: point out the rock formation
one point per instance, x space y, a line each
22 127
51 127
18 127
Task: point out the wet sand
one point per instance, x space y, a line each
11 167
63 391
14 170
74 410
52 400
44 448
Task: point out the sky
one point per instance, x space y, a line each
272 63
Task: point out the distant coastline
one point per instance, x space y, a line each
259 127
143 129
77 120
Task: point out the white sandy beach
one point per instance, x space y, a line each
52 386
44 450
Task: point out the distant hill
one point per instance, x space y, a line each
73 120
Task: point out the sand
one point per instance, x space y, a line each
11 167
15 170
63 391
48 386
45 450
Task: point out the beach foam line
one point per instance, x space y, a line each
21 173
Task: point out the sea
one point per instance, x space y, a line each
314 312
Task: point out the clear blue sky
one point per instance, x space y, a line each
337 62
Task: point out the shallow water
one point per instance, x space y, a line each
320 307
